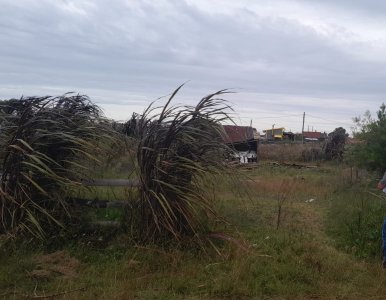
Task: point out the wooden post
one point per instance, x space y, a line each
304 116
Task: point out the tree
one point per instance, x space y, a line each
335 143
371 153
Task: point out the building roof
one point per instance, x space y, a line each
313 134
237 134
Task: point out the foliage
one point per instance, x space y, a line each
285 152
298 261
335 144
178 146
45 143
130 128
372 132
355 220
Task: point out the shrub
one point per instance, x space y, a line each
178 147
45 143
335 144
371 153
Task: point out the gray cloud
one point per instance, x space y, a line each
371 8
296 56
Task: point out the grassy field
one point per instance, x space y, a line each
291 233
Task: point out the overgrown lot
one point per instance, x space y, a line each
290 234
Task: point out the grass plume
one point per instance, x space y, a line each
45 143
178 146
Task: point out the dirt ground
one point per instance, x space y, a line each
56 264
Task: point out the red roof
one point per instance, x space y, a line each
236 134
312 134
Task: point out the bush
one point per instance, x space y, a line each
335 144
372 132
45 143
178 148
356 220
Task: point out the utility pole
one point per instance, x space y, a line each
304 116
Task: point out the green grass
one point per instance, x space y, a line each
356 218
319 251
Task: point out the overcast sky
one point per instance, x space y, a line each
326 58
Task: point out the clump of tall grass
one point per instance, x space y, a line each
178 147
46 144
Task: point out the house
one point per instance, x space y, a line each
314 136
289 135
274 133
242 139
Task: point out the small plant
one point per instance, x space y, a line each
285 190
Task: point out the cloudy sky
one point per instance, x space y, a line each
282 57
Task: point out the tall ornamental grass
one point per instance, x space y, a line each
179 146
46 144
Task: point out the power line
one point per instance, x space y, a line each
272 117
330 121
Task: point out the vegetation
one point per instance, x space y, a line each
293 152
45 144
372 132
178 147
335 144
319 250
296 231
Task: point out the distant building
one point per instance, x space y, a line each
274 133
244 141
256 134
289 136
314 136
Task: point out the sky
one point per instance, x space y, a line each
280 58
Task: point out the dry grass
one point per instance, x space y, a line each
44 143
291 152
178 146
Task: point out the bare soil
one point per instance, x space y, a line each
56 264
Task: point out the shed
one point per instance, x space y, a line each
243 140
314 136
